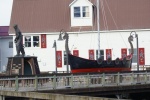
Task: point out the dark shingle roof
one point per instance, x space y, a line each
39 16
4 30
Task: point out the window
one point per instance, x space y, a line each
36 41
81 11
31 41
10 44
85 11
27 41
77 12
134 58
101 53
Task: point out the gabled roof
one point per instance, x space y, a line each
78 0
49 16
4 30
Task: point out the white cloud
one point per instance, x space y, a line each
5 12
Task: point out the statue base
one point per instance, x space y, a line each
22 65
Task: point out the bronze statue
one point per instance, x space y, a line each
19 42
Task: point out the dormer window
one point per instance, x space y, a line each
81 11
77 12
85 12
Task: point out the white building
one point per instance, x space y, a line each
41 21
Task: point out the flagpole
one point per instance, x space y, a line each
55 46
98 28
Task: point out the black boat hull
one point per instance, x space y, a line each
81 65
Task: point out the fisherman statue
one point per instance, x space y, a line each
18 41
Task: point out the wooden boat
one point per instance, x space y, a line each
82 65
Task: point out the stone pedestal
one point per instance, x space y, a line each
22 65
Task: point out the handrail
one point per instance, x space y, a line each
59 81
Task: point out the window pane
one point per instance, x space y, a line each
101 53
85 11
77 12
36 41
27 41
85 14
27 44
10 44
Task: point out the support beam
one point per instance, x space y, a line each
47 96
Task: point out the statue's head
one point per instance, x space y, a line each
15 26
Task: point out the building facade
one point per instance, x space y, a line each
6 47
42 20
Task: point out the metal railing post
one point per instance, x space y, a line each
88 78
118 79
132 78
36 82
16 84
72 81
145 77
54 82
103 79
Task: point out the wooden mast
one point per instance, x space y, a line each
98 28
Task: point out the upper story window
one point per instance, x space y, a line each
81 11
31 41
85 11
77 12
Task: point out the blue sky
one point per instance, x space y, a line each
5 12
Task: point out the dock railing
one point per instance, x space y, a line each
68 80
